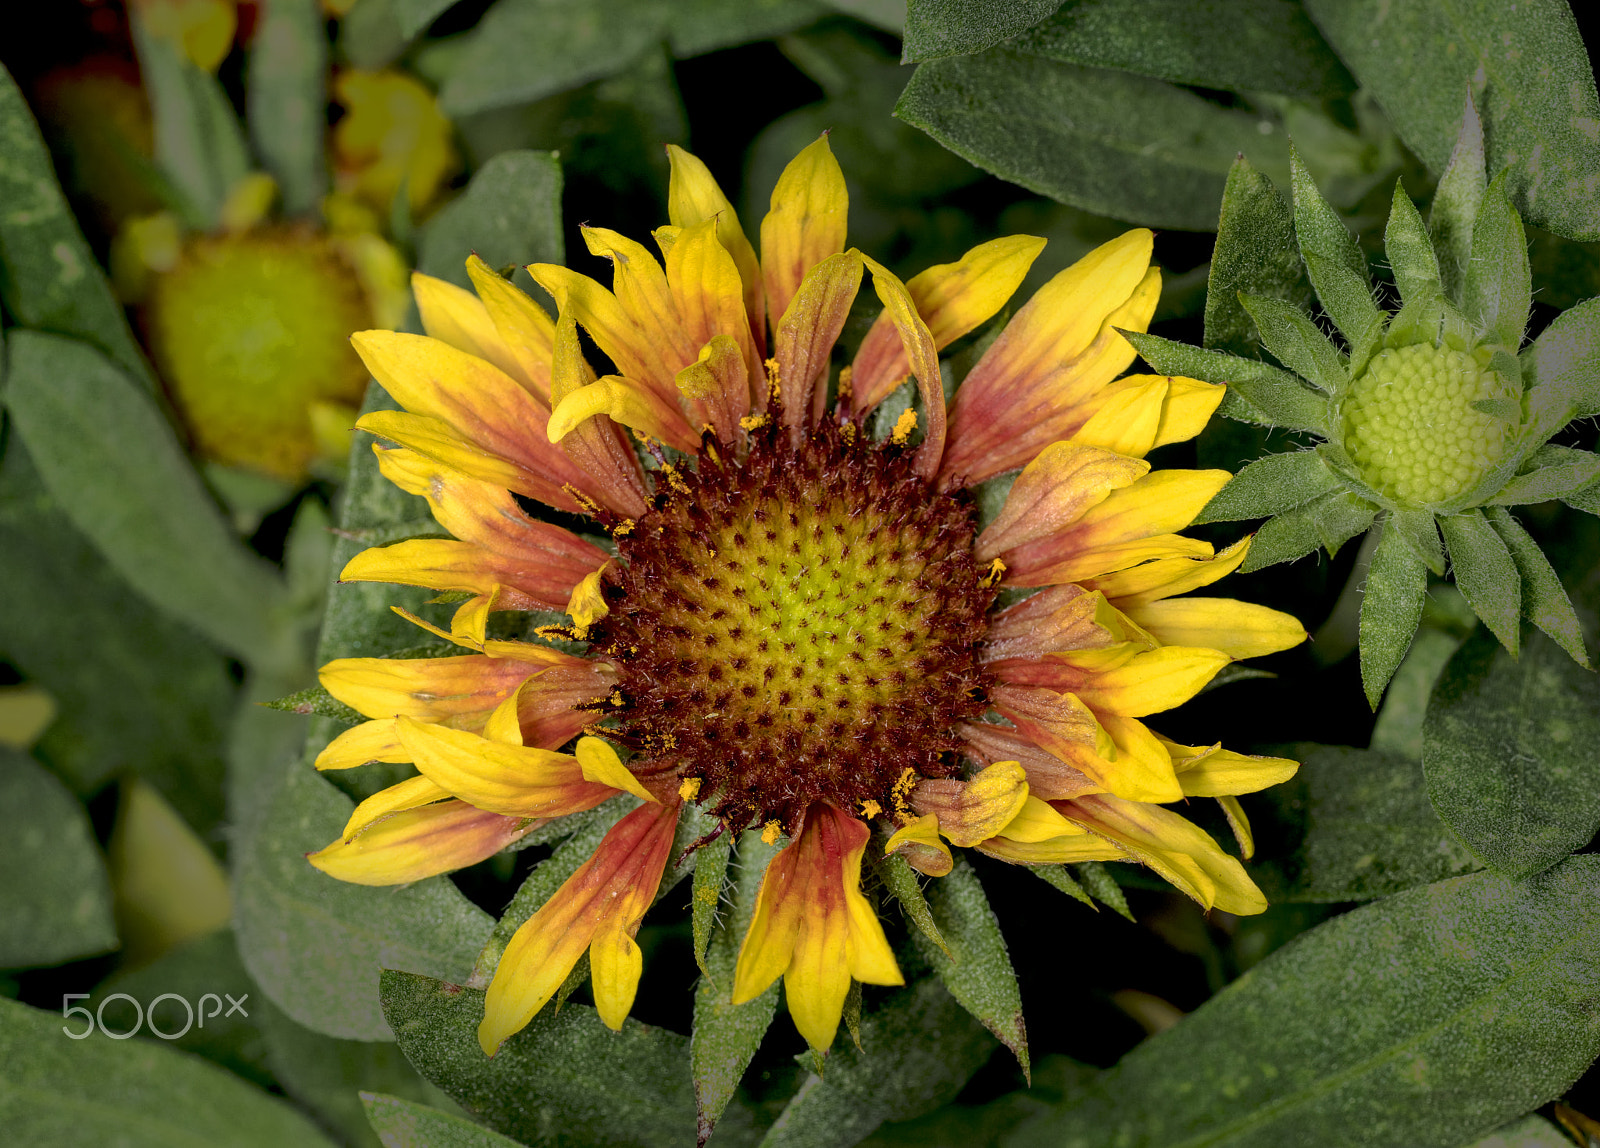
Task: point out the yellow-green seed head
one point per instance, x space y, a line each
1409 424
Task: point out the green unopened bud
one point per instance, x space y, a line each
1410 425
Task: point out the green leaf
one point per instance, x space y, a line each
55 905
1281 398
1235 45
199 146
1508 750
414 16
1297 342
905 885
1456 201
1116 144
319 701
727 1035
1485 573
1553 472
1391 607
405 1124
936 28
1418 57
974 964
695 29
1058 877
1562 366
1410 252
1270 486
918 1049
710 877
1498 289
135 1093
313 943
1056 1080
118 471
510 214
1328 522
48 276
1421 533
1399 727
1529 1132
1544 601
286 99
370 35
1255 252
1395 1019
1335 265
154 699
1103 886
565 1079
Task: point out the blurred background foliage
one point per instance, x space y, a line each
245 181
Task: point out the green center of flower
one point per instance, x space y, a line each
797 627
1411 428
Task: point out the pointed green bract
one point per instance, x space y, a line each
1281 398
1103 886
1562 366
1552 472
1421 534
1297 343
1057 877
902 881
1270 486
1456 202
1544 599
1411 255
1498 288
1347 298
1255 252
1390 610
1485 573
1333 259
1416 322
1292 534
710 875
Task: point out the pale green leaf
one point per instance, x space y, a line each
509 214
1270 486
1103 887
1485 573
1391 607
405 1124
1326 522
1544 600
1497 291
1421 533
414 16
1457 199
287 99
1410 252
710 877
905 885
1398 729
1255 252
1297 342
1552 472
1563 363
1279 397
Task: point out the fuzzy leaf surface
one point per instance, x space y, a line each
936 28
1296 342
1278 396
1255 253
403 1123
1498 289
1566 359
1485 573
1411 255
1270 486
1397 583
1544 600
1508 749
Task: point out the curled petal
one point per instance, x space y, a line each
804 225
807 332
1124 680
515 780
1211 771
601 765
625 402
917 342
642 289
1238 629
611 326
417 843
1049 777
718 379
1117 754
1056 620
587 605
710 296
600 904
972 810
920 844
1065 849
1167 577
1054 492
413 793
598 445
1138 413
1036 821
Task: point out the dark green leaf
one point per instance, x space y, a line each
1456 201
1057 877
154 699
1328 522
1335 265
314 944
917 1050
1270 486
1544 601
199 146
905 885
727 1035
1498 289
1421 533
510 214
566 1079
710 878
1485 573
370 35
1418 58
1555 472
937 28
1255 253
135 1093
319 701
974 963
1056 1080
1410 252
55 904
414 16
1297 342
287 99
1103 886
117 470
1508 746
1235 45
1563 364
1391 607
1397 1020
694 29
48 275
405 1124
1280 398
1399 727
1116 144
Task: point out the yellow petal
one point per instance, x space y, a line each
1240 824
611 326
806 333
601 765
710 296
524 327
1036 821
1126 418
413 793
1146 683
459 318
433 689
1238 629
1054 491
917 343
514 780
1190 404
1211 771
444 445
370 741
615 965
1167 577
504 725
919 842
970 811
417 843
720 380
626 402
1062 850
806 223
587 604
693 197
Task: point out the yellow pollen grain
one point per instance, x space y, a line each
769 834
903 426
674 479
870 808
772 377
997 570
846 374
848 432
902 787
552 632
616 697
689 788
621 528
581 498
753 422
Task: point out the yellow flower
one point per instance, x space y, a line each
392 134
798 627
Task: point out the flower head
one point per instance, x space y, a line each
794 625
1434 418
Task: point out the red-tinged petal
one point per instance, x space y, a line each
445 564
922 847
459 318
710 296
522 324
412 793
917 343
612 328
1153 581
972 810
1054 492
628 402
1124 680
1053 621
1177 849
477 399
1115 753
640 285
1066 849
719 379
445 445
807 332
1049 778
694 197
805 224
601 765
418 843
598 445
1018 409
952 298
1238 629
515 780
607 896
429 689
